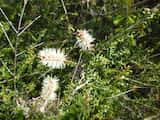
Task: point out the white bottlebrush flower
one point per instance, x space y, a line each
48 94
52 57
84 40
49 88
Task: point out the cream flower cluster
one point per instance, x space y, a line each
54 58
48 93
49 88
84 40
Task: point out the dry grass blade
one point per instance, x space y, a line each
3 13
28 26
6 35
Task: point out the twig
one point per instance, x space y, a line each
4 81
1 82
6 67
155 55
32 74
122 93
64 7
136 81
22 13
79 87
28 26
15 68
125 92
10 43
8 20
75 71
18 54
65 10
44 73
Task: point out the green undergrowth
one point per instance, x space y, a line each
120 77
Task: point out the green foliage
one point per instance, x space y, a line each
120 76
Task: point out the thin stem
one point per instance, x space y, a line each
155 55
64 7
28 26
138 82
8 20
71 49
21 16
45 73
122 93
75 71
6 35
18 54
5 81
79 87
6 67
65 10
15 68
125 92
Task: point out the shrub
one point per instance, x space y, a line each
105 56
